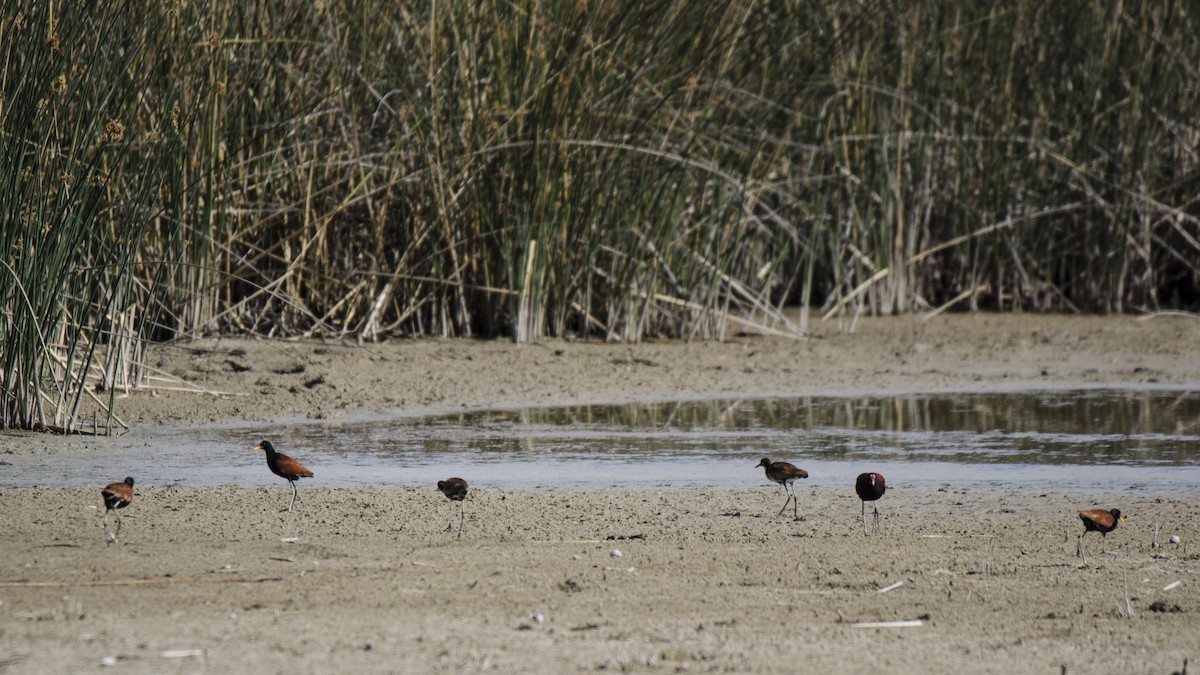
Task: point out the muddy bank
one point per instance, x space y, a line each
263 380
358 580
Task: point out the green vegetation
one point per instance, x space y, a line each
618 170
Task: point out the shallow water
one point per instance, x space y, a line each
1079 440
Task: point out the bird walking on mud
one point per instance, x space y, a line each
285 467
870 487
455 490
1097 520
116 496
784 473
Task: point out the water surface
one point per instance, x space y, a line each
1075 440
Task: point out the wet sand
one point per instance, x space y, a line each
367 580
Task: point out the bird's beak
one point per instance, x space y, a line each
258 447
1122 519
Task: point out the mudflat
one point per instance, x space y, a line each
369 580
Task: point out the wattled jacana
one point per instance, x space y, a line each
455 490
285 467
116 496
784 473
870 487
1100 521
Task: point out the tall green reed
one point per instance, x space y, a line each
571 168
624 170
90 125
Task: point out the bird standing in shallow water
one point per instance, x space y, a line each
116 496
285 467
455 490
1100 521
870 487
784 473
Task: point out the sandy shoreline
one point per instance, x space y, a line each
708 580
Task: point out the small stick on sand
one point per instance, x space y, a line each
910 623
181 653
136 582
892 587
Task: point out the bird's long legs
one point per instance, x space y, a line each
462 507
864 517
294 492
114 515
112 536
1079 546
791 497
785 501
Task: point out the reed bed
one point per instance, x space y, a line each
617 170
